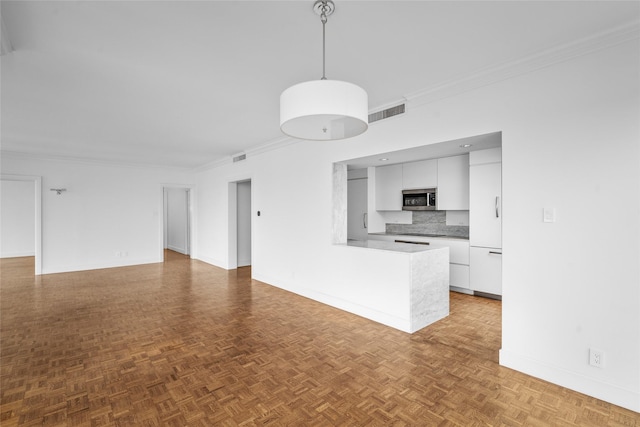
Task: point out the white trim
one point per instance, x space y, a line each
590 386
89 161
182 251
211 261
270 145
100 265
368 313
5 43
232 225
482 77
37 182
232 218
527 64
17 254
478 79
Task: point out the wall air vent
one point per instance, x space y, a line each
239 158
385 114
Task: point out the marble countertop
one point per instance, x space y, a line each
390 246
438 236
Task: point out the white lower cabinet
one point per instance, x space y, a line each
459 276
458 255
485 270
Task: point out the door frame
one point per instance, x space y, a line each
232 219
191 218
37 184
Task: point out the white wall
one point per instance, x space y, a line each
177 220
570 137
109 216
17 216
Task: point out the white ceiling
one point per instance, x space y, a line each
185 83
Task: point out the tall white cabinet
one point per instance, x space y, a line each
485 221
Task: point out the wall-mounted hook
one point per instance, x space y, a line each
58 190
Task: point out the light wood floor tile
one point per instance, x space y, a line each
183 343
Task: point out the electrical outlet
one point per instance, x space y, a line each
596 357
549 215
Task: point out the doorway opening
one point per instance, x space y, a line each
177 219
240 230
24 239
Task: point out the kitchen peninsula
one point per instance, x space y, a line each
420 291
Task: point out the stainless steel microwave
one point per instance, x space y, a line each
420 200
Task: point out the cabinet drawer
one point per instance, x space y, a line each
485 270
458 249
459 276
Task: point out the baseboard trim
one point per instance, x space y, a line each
17 254
211 261
395 322
182 251
98 266
593 387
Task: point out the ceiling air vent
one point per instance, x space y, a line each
239 158
385 114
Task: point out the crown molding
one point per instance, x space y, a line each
541 59
5 43
87 160
483 77
273 144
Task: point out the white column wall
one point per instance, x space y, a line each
570 141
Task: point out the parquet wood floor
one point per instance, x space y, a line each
183 343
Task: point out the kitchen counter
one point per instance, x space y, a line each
438 236
419 288
390 246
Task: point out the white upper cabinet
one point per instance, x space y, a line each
453 183
389 188
421 174
450 175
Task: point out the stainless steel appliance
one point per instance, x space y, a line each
420 200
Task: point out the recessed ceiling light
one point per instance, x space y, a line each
384 159
466 145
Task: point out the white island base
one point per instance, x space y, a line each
415 295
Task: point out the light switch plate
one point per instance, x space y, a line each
549 215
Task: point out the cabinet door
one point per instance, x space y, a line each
453 183
357 209
389 188
485 270
422 174
485 209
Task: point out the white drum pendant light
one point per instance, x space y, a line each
324 109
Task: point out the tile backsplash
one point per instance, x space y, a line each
429 222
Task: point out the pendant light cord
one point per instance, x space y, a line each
323 19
